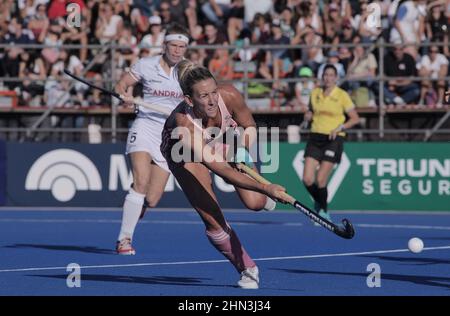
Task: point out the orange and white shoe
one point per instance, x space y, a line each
123 247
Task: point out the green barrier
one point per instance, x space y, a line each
376 176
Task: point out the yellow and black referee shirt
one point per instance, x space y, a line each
329 111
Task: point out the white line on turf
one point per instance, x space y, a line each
346 254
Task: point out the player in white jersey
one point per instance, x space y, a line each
150 170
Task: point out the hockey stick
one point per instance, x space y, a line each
137 101
346 232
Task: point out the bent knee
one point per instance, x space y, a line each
256 204
308 181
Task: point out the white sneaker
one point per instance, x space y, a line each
270 204
249 278
123 247
399 101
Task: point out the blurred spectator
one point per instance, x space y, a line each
11 60
192 19
221 66
400 91
178 11
260 29
363 67
39 23
333 59
433 66
235 21
57 8
74 35
109 25
123 9
216 11
369 33
408 26
155 38
74 65
212 37
309 16
312 55
166 16
437 24
347 34
332 23
129 54
281 62
194 56
33 73
287 22
304 88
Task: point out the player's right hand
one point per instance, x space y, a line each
276 192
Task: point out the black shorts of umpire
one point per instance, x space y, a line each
320 147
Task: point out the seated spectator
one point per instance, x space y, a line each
260 29
368 32
212 37
216 11
281 62
287 22
313 55
304 88
155 38
363 67
347 34
433 66
437 23
164 10
194 56
17 34
39 23
221 66
178 12
408 26
109 25
128 55
33 73
333 59
310 16
235 21
74 65
401 91
332 23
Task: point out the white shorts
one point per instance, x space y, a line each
145 135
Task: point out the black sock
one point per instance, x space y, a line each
322 195
312 189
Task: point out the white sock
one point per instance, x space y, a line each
132 208
270 204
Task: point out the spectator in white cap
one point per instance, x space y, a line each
153 42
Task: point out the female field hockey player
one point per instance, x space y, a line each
150 171
206 106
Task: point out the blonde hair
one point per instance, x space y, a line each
189 74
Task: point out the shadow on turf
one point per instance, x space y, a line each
416 279
161 280
88 249
415 261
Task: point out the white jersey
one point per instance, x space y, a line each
159 88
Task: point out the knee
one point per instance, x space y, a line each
308 181
140 184
153 200
256 205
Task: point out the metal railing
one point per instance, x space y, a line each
112 50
